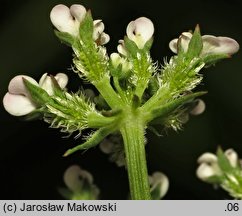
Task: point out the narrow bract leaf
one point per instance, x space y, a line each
223 162
148 45
94 140
131 47
168 108
196 44
86 27
211 59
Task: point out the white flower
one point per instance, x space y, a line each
117 60
211 44
17 100
69 19
121 48
160 182
140 31
208 166
98 34
80 182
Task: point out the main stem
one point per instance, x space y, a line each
134 144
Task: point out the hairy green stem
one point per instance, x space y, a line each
108 93
134 145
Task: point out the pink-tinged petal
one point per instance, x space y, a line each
199 108
78 11
62 79
104 38
46 83
16 85
173 45
207 158
227 45
140 31
205 171
18 105
74 176
98 29
184 40
121 48
62 19
219 45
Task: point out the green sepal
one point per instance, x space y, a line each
38 95
215 179
148 45
94 140
223 162
196 44
155 193
65 37
131 47
211 59
168 108
66 193
86 28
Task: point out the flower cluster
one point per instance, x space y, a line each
79 184
17 101
211 44
69 20
223 169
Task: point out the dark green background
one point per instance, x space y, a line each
31 163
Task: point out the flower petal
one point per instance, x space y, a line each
199 108
205 171
121 48
78 11
62 79
161 180
184 40
45 83
219 45
18 105
173 45
232 157
98 29
207 158
62 19
17 86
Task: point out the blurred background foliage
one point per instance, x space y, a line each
31 159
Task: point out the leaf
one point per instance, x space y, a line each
38 95
211 59
65 37
196 44
169 107
94 140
